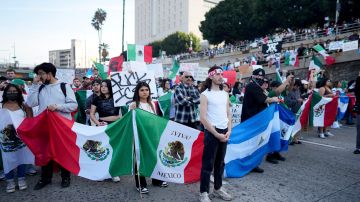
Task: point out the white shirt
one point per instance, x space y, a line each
217 108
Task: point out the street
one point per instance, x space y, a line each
317 170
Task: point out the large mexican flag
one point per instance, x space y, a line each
170 151
323 110
139 53
95 153
81 97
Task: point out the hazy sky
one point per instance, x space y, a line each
37 26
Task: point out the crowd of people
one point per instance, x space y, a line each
200 105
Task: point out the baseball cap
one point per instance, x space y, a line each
259 72
18 82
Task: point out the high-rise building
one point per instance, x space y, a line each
69 58
156 19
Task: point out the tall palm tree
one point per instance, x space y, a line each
97 22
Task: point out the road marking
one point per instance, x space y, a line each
324 145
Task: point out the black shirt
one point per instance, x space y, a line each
254 101
105 107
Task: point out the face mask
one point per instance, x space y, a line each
12 96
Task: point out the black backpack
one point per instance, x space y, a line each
62 86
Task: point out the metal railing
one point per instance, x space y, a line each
290 38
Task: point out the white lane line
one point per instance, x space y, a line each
324 145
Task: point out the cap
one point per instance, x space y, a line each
259 72
18 82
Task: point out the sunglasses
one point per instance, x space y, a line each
188 77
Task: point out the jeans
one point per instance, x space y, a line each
20 172
213 158
358 131
47 172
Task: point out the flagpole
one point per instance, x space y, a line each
137 172
123 26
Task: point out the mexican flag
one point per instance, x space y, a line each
170 151
95 153
14 152
102 72
139 53
316 111
81 96
287 58
328 59
165 104
323 110
278 77
315 64
294 59
174 70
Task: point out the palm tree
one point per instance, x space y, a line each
97 22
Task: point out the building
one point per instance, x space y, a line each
75 57
156 19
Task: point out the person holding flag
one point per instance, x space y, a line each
215 115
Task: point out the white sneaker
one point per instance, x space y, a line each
322 136
204 197
221 193
143 190
10 187
335 125
116 179
22 183
329 134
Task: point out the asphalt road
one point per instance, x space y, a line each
317 170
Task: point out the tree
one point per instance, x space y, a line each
179 42
156 48
97 22
234 20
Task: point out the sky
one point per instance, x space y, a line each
37 26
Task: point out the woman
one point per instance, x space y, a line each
165 87
13 103
104 106
142 100
325 90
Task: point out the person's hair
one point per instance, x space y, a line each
20 98
10 70
321 82
108 84
46 67
163 82
208 81
237 84
336 83
76 79
136 97
297 83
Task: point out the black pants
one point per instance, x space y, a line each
143 180
190 124
47 172
213 158
358 131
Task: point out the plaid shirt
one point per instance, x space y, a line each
185 100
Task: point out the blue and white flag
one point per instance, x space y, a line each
287 122
251 140
343 105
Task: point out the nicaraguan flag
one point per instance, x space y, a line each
343 104
251 140
287 122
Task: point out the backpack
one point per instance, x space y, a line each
62 86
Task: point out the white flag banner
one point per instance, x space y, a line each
157 69
351 45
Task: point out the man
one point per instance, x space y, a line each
86 84
216 117
186 97
54 96
10 74
95 74
256 99
76 84
96 84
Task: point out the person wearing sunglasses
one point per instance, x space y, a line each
186 97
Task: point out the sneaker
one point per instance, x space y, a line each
10 187
257 169
335 125
116 179
221 193
271 159
164 184
328 134
322 136
204 197
22 183
357 151
41 184
142 190
65 182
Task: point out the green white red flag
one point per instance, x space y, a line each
328 59
139 53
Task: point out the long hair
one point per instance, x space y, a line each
19 100
136 97
108 84
208 81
